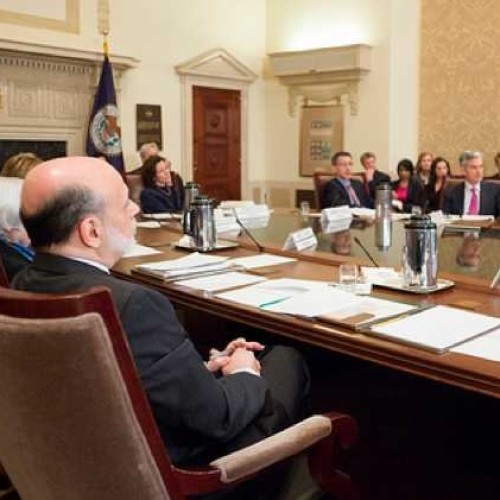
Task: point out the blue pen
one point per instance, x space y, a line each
273 302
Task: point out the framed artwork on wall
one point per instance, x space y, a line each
321 135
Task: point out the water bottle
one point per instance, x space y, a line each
383 216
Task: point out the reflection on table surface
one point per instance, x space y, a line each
474 254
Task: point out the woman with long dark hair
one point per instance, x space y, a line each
432 195
163 189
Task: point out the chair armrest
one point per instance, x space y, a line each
278 447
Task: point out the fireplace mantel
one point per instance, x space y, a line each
46 92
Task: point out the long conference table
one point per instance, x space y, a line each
472 291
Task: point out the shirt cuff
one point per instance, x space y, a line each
245 370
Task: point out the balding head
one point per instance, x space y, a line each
69 205
49 178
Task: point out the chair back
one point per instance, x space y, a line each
79 424
4 281
321 179
135 186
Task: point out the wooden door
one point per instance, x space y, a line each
217 142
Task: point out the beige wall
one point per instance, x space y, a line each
386 123
460 78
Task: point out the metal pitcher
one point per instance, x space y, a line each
202 223
191 191
420 253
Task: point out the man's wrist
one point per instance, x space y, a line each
244 370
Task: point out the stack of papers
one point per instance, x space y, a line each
222 281
163 216
380 275
272 291
137 250
192 264
437 329
261 260
225 222
337 305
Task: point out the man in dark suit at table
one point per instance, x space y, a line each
372 176
473 196
80 220
343 190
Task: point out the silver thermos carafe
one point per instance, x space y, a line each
191 191
202 223
383 216
419 260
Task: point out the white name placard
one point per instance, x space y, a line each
301 240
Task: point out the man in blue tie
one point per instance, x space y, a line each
473 196
343 190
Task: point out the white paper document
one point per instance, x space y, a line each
137 250
148 224
272 291
193 263
438 328
261 260
486 346
163 216
337 304
222 281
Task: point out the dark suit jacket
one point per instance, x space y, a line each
378 178
194 409
489 203
335 194
158 200
13 261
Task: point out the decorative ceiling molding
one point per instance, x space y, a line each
50 54
322 75
217 63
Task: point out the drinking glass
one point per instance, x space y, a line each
305 208
348 277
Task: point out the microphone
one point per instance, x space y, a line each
260 248
367 253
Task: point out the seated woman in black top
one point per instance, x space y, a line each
432 194
163 189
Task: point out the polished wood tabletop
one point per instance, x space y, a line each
460 370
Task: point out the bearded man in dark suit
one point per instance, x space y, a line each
80 220
473 196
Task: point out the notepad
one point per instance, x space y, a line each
436 329
262 260
222 281
340 307
486 346
272 291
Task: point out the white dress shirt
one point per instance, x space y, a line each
468 196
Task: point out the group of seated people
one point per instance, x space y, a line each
427 187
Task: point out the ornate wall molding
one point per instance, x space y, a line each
324 76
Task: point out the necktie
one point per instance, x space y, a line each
353 198
473 205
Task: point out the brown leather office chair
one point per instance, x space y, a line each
135 186
321 179
80 425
